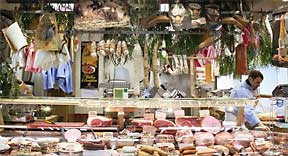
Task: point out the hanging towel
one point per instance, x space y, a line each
30 54
49 78
61 76
64 77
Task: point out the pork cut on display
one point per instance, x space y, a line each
163 123
141 122
204 139
211 124
188 121
223 138
99 121
242 138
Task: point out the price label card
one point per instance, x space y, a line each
92 113
179 113
260 141
148 116
149 130
204 113
107 135
160 115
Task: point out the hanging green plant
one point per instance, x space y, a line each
261 56
28 21
265 48
227 65
183 43
8 81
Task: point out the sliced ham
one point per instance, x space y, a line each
211 124
204 139
141 122
99 121
242 139
188 121
163 123
223 138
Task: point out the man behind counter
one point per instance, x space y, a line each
247 90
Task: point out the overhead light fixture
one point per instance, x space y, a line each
285 0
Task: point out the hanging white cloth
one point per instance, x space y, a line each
45 60
18 62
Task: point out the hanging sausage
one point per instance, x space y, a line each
241 59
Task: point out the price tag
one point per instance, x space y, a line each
260 141
179 113
92 113
149 130
149 116
160 115
108 135
204 113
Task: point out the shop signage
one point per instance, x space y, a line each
89 65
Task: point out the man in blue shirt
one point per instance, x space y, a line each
247 90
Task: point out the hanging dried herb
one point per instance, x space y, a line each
227 65
183 43
265 48
8 81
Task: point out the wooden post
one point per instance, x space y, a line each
208 72
121 118
1 119
240 117
194 94
193 78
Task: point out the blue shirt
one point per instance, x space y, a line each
245 91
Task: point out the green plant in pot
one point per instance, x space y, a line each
8 82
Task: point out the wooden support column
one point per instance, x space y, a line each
121 118
194 94
1 119
240 116
193 78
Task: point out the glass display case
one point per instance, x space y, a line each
133 127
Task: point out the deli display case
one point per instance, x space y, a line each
151 133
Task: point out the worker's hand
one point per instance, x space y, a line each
255 102
261 126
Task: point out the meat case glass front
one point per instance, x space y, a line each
137 127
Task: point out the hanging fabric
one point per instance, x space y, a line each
30 53
18 62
